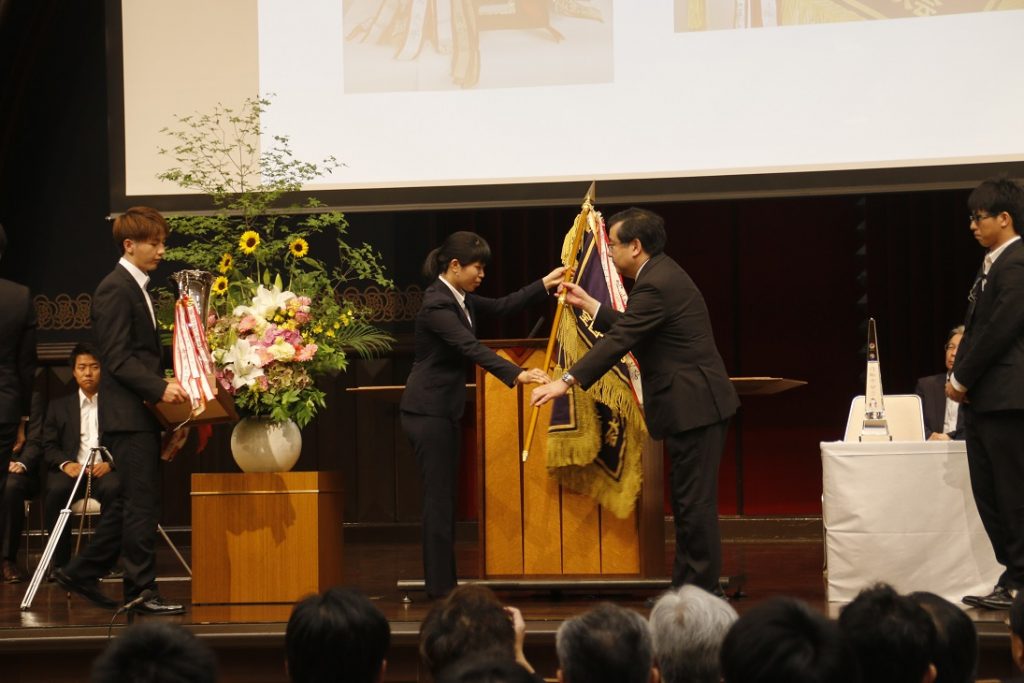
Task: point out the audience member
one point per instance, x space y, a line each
608 644
688 626
336 636
943 419
892 636
955 655
783 641
151 652
1017 636
486 669
471 620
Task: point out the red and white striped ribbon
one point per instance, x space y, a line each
193 366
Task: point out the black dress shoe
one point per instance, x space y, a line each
1000 598
158 606
88 590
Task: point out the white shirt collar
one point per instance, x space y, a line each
136 272
83 399
991 256
459 296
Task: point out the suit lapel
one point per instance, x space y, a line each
74 423
140 298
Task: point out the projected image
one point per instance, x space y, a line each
410 45
710 15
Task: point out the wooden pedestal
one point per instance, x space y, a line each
265 537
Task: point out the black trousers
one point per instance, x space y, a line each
19 488
8 434
104 489
435 440
694 456
995 459
128 526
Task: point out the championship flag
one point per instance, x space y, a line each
596 437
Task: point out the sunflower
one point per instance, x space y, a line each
226 261
220 286
250 240
298 247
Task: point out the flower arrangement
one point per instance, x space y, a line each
277 319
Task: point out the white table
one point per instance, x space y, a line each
903 513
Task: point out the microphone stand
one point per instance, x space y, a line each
58 528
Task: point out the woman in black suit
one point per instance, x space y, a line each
435 393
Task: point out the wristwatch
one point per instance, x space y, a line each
568 379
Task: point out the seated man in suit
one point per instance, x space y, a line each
23 480
70 433
943 420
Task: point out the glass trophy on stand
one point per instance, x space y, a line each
874 427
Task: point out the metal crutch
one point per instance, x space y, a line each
58 529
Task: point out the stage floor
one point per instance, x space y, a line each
249 640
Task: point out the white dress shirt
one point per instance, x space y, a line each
459 296
142 279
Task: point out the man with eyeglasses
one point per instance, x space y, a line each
988 379
943 417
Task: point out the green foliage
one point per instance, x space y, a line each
254 239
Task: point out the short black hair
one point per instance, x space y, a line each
484 668
956 639
470 620
996 195
782 639
82 349
155 652
608 644
891 635
338 635
643 225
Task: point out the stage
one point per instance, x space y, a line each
57 639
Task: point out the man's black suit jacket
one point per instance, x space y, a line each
129 348
990 359
62 431
445 340
666 326
932 390
17 351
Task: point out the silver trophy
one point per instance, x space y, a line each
196 285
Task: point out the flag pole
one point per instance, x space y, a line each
580 226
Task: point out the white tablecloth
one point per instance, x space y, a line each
903 513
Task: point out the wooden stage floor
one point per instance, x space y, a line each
57 638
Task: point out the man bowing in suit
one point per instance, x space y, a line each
124 323
688 398
988 378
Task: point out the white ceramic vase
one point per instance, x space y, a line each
258 444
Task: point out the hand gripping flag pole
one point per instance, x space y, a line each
580 227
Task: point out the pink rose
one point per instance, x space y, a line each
247 323
305 353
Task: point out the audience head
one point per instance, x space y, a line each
783 641
608 644
485 669
955 655
338 635
470 620
892 636
1000 198
139 224
155 652
952 344
1017 630
687 627
463 246
640 224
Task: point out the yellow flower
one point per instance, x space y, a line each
220 286
298 247
226 261
330 333
317 329
337 326
250 240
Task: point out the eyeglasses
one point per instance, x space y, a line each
977 217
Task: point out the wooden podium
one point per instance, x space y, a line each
531 527
265 537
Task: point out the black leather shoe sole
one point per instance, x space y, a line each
90 593
158 607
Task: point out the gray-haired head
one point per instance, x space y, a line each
688 626
608 644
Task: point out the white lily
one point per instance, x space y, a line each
267 302
244 363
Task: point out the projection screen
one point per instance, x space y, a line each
497 102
